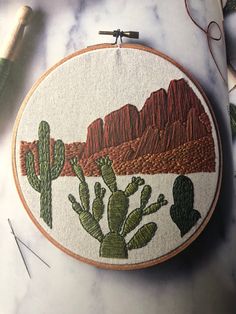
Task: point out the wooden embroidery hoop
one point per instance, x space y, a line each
38 225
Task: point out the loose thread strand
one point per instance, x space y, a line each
210 37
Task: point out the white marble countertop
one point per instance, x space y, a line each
202 279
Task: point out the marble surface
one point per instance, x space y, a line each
202 279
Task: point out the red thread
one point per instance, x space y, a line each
209 36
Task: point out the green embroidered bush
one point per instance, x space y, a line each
114 244
47 172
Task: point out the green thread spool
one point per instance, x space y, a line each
11 45
5 67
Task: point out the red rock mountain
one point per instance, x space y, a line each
169 121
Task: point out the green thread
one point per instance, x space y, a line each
182 212
5 66
43 183
232 111
113 244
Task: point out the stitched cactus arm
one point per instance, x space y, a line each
161 199
77 169
83 186
59 159
118 205
84 195
133 186
98 205
145 195
132 221
75 205
87 220
44 147
153 208
91 225
135 217
107 172
143 236
30 171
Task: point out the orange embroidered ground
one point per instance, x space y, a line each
191 157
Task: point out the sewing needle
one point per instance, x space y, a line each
10 224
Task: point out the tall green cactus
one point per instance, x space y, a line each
47 172
182 212
114 244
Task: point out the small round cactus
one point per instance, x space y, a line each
182 212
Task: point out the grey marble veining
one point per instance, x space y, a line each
202 279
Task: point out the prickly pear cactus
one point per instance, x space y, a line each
182 212
47 172
114 243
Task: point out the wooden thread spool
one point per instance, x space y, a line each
13 41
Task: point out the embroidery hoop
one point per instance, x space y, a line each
39 226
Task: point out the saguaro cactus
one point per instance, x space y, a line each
47 172
182 212
113 244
